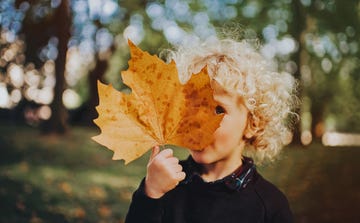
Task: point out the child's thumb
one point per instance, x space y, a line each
154 151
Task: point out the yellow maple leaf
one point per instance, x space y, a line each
158 111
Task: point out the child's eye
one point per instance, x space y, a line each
219 110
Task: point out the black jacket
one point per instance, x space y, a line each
242 197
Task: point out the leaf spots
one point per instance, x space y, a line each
204 102
151 68
149 82
133 69
192 95
191 142
170 120
195 125
136 55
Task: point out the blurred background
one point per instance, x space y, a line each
52 52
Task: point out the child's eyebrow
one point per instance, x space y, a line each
223 99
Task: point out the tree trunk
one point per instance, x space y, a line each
62 21
89 112
298 28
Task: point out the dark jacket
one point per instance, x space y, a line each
242 197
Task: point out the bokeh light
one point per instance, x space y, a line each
135 30
44 112
306 137
71 99
340 139
16 74
4 96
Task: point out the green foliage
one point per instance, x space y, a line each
73 179
325 33
62 179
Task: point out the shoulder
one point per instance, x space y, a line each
274 200
268 191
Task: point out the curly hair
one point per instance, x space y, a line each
239 68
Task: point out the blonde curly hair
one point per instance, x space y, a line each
239 68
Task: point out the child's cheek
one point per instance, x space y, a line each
220 137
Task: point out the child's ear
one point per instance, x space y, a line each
252 128
248 134
248 131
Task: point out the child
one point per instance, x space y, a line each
218 183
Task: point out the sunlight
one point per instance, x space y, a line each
135 30
109 8
104 39
340 139
71 99
44 95
154 10
4 96
251 10
270 32
174 34
102 8
31 93
9 54
8 36
326 65
49 67
44 112
275 46
306 137
32 78
77 65
15 96
16 74
134 33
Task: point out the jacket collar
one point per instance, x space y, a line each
237 180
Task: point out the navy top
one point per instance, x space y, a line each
243 196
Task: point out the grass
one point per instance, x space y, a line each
73 179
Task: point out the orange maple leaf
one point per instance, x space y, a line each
158 111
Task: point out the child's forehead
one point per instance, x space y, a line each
223 96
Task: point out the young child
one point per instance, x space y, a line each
219 183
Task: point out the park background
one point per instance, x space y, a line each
52 52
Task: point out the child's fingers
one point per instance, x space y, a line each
177 168
180 176
166 153
154 151
172 160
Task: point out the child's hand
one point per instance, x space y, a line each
163 173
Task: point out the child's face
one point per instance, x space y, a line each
228 138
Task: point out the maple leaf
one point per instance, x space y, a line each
158 111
